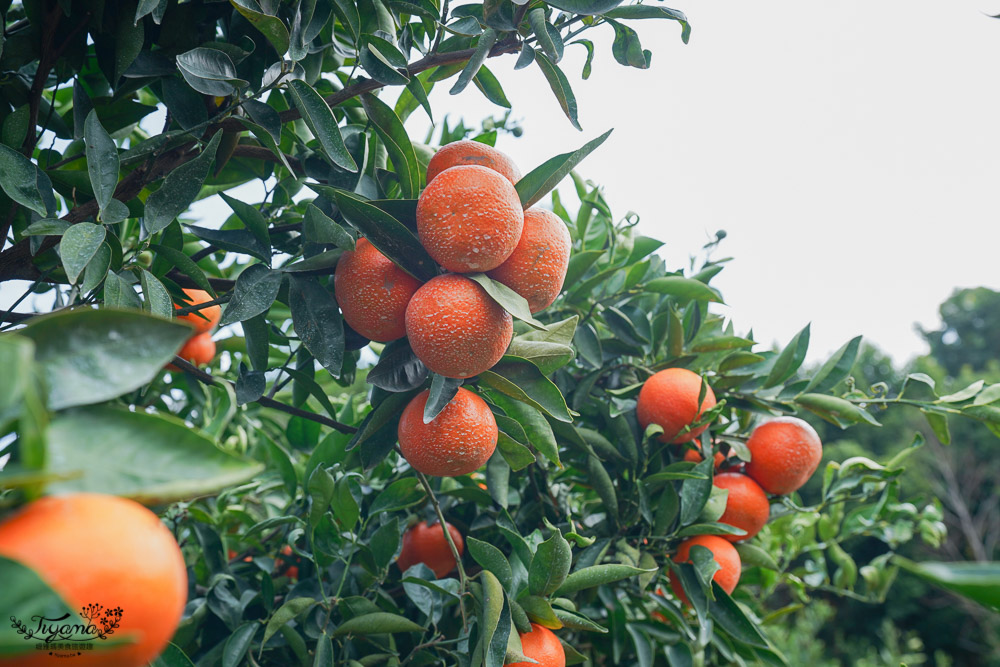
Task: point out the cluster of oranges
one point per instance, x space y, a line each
470 220
784 454
199 348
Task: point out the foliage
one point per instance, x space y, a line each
278 471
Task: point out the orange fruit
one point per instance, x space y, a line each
468 152
537 267
784 453
459 440
198 349
373 292
542 646
423 543
746 506
455 328
202 320
96 549
694 456
670 398
290 571
469 219
725 554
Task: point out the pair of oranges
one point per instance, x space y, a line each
470 220
199 348
784 453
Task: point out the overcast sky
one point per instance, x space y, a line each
850 149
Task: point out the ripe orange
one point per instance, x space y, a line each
427 544
725 554
96 549
537 267
694 456
469 219
373 292
746 506
455 328
670 398
784 453
466 152
208 317
290 571
459 440
542 646
199 349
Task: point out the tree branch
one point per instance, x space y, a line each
208 379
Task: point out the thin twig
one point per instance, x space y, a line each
451 545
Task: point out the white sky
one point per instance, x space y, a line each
850 149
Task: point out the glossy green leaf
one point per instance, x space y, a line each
390 130
179 189
270 26
321 121
684 288
491 559
544 178
550 566
25 183
522 380
318 227
102 160
78 246
790 359
256 289
512 302
376 623
596 575
156 298
835 409
251 218
442 390
27 596
483 46
976 581
652 12
560 88
317 321
399 495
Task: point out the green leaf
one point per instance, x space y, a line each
376 623
544 178
185 265
380 58
491 559
489 85
397 143
151 458
517 455
963 394
285 613
16 355
78 246
318 227
731 618
696 492
652 12
317 321
234 240
267 140
398 368
512 302
442 390
26 596
585 6
627 49
683 288
209 71
939 424
385 542
110 352
483 46
270 26
550 566
323 263
251 218
790 359
102 160
47 227
836 368
319 117
597 575
976 581
179 189
990 394
399 495
255 290
385 232
536 428
560 88
156 298
521 380
753 556
835 409
493 608
577 622
238 643
25 183
118 293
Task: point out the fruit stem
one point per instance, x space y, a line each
451 545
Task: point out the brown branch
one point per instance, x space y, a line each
205 378
184 280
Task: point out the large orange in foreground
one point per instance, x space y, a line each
466 152
542 646
724 553
427 544
204 319
747 506
469 219
784 453
459 440
96 549
455 328
537 267
373 292
670 398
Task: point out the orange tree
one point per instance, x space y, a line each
274 461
